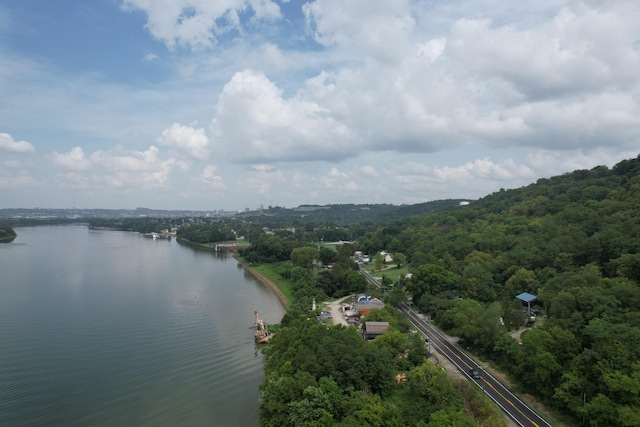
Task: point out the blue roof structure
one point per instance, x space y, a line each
526 297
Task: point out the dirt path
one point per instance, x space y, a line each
337 315
517 335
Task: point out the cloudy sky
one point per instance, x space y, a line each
233 104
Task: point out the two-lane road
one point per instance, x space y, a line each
517 410
510 404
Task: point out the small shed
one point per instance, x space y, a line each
528 298
374 329
324 316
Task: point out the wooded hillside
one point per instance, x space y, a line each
572 240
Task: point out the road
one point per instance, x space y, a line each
510 404
517 410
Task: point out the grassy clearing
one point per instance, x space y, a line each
272 272
391 271
331 245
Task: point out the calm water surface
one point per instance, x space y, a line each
105 328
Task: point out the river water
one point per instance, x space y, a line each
107 328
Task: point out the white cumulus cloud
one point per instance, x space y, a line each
73 160
196 24
381 30
193 142
255 122
7 143
16 180
150 57
210 179
126 169
487 80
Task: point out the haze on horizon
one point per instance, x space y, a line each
233 104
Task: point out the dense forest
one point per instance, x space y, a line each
343 214
570 240
140 225
205 233
321 376
573 241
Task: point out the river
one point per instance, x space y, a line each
108 328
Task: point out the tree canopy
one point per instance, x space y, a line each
319 375
7 234
572 240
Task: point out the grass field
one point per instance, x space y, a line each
272 272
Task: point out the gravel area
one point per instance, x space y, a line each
337 315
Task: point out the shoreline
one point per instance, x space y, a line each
268 283
271 285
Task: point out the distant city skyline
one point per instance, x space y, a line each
226 105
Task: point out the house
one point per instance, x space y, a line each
386 256
365 304
374 329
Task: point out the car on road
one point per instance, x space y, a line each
475 374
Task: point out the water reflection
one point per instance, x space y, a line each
109 328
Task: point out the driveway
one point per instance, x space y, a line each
337 315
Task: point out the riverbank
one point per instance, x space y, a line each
281 296
262 279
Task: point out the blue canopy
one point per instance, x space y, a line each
526 297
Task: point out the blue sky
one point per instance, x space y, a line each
233 104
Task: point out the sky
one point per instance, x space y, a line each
236 104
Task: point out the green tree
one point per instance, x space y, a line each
378 262
431 384
327 255
315 409
7 234
395 296
563 305
369 410
393 340
477 324
450 417
523 280
431 279
600 412
477 283
628 265
304 257
537 366
277 393
399 258
269 248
